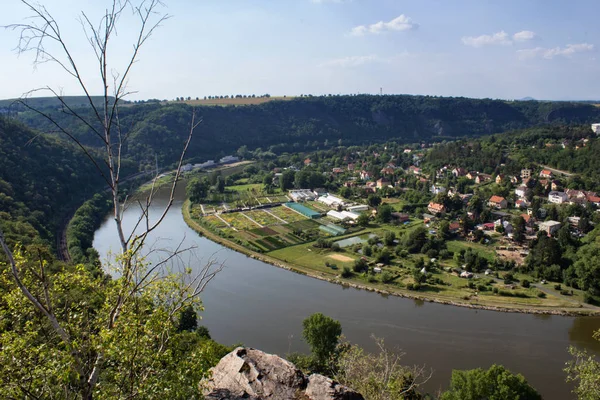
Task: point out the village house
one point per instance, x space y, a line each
522 203
307 162
514 180
472 175
351 167
365 175
458 172
594 199
521 191
437 189
337 170
500 178
525 173
414 170
400 217
557 197
546 173
555 185
454 227
387 171
497 202
383 182
436 208
529 220
481 178
574 195
550 227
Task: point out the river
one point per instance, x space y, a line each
263 306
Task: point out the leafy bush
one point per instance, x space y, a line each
525 283
346 272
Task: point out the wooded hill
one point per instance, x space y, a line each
41 179
311 122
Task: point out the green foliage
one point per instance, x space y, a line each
346 272
363 219
322 334
188 320
497 383
197 189
41 179
384 213
81 230
373 200
378 375
584 371
360 264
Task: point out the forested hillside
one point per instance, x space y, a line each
41 179
311 122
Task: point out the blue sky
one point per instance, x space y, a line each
546 49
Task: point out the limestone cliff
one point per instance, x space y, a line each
247 373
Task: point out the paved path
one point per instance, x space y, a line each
556 171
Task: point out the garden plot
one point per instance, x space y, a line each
318 207
214 221
287 215
238 221
263 217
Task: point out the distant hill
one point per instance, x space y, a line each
13 105
527 99
308 123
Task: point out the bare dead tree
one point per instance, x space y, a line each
379 376
42 36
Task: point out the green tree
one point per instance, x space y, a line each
389 237
584 371
197 189
497 383
286 179
363 219
384 213
188 319
322 334
373 200
444 230
220 185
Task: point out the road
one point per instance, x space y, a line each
556 171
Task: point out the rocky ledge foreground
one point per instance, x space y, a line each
247 373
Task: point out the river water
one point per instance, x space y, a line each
263 306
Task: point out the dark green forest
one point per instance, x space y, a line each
309 123
42 178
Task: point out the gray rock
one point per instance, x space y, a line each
247 373
323 388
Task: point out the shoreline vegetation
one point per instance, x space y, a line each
307 271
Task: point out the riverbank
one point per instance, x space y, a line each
364 286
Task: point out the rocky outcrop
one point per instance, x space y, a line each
247 373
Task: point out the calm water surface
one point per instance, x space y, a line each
263 306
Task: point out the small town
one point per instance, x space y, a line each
402 220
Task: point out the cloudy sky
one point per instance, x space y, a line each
546 49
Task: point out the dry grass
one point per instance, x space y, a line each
340 257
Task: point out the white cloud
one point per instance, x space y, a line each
524 36
549 54
498 38
400 23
